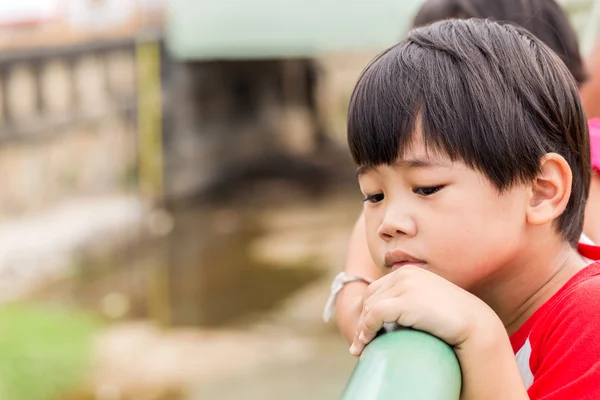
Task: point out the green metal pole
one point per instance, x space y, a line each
405 364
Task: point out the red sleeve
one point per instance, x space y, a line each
566 360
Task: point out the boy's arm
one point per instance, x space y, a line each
348 305
489 366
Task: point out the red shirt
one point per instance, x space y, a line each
558 348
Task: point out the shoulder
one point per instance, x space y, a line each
582 293
576 305
577 300
565 357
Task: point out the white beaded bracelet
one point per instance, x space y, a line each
338 284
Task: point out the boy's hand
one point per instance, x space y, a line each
417 298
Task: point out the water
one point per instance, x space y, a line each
251 277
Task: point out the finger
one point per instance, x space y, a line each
392 280
372 321
384 281
384 288
382 293
383 312
391 289
355 349
360 340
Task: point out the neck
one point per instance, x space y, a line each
591 226
531 281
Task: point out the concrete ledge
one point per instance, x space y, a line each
40 248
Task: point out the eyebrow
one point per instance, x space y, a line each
410 163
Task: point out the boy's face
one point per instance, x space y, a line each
429 211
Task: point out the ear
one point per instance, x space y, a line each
550 190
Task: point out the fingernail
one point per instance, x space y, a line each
354 349
362 337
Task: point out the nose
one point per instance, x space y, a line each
396 224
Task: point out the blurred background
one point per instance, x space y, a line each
177 193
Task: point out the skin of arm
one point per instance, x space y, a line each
349 303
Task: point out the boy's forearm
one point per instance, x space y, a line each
489 367
348 305
348 308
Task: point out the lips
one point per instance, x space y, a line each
395 259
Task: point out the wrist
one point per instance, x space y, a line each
349 302
348 308
485 335
353 290
340 282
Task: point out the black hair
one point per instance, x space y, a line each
492 96
545 19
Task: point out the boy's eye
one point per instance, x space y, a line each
427 191
374 198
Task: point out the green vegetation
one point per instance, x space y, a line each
44 352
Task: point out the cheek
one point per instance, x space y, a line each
483 212
470 223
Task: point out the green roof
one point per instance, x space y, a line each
246 29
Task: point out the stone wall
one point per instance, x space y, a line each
67 125
228 116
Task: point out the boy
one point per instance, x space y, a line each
473 156
549 23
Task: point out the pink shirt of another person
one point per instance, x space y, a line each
594 126
592 211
